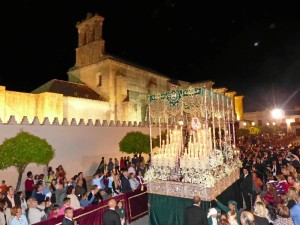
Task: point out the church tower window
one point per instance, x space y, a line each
99 80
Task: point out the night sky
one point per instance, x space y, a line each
249 48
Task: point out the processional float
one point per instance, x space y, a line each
197 154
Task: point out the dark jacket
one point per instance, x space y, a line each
66 221
194 215
16 198
125 185
111 217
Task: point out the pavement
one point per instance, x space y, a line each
142 221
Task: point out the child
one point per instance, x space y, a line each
3 187
121 211
212 216
68 219
54 212
232 217
84 199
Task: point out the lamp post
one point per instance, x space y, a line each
277 114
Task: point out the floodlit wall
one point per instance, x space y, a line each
79 144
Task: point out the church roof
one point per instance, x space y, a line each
68 89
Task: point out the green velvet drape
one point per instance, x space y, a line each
168 210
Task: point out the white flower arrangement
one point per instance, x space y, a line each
205 172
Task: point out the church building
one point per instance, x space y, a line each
99 86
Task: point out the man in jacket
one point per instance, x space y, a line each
194 215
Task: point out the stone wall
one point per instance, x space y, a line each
79 144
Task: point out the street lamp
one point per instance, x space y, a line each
277 113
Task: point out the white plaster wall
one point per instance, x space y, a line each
78 148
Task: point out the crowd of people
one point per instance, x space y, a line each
269 188
55 193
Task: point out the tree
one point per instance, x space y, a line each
23 149
135 142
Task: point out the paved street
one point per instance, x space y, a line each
142 221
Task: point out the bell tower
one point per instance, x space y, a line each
91 46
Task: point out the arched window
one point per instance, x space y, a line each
99 81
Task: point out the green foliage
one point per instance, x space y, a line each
135 141
23 149
254 130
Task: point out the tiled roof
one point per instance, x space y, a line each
68 89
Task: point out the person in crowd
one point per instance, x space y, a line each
52 189
224 215
50 177
68 219
94 193
60 193
117 165
75 204
120 209
232 218
103 195
36 212
3 207
260 213
140 178
61 175
39 195
23 201
54 211
246 188
84 201
18 218
110 216
122 163
79 189
257 186
247 218
29 185
98 179
116 185
290 180
36 179
223 222
231 206
101 167
131 169
275 168
110 166
212 216
272 197
125 184
67 204
84 183
295 211
291 197
11 198
3 187
134 183
194 215
283 216
295 162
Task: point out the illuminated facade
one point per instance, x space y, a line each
99 86
289 121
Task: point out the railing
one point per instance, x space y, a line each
136 204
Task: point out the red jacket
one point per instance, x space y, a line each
29 185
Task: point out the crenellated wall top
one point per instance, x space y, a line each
81 122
